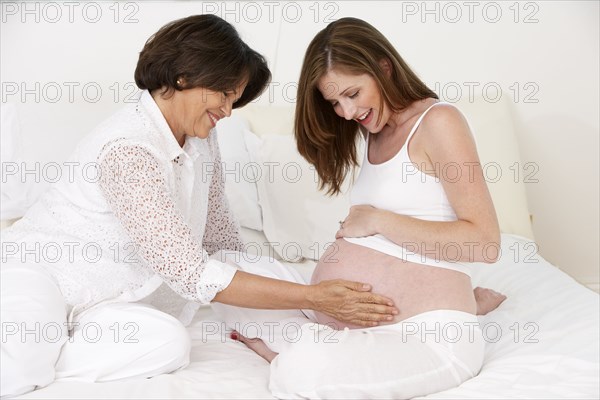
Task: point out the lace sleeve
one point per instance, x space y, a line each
222 230
136 190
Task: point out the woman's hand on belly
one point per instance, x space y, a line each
414 288
352 302
360 222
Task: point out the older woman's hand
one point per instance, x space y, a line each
351 302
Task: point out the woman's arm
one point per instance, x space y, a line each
345 300
475 236
135 188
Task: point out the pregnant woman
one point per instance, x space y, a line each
411 232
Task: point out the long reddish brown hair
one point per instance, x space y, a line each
355 47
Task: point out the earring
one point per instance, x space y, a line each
178 82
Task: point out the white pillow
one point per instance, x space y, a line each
256 245
269 120
240 186
298 219
15 189
506 174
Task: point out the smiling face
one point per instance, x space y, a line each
196 111
355 97
202 108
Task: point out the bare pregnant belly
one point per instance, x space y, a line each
414 288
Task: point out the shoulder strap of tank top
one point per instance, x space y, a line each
414 128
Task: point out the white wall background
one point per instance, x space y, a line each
543 55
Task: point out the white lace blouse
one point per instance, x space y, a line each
134 211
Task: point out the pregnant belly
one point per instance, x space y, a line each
414 288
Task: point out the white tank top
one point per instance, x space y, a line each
400 186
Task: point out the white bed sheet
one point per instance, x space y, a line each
548 346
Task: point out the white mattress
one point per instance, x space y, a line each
555 354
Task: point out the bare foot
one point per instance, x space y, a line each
256 345
487 300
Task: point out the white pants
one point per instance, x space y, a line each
108 342
428 353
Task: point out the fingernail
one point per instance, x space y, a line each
389 318
234 335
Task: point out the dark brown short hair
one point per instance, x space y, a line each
355 47
206 51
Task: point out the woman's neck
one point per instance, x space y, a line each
167 107
399 118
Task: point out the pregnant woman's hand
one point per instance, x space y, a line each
351 302
361 221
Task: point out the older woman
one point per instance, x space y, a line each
89 249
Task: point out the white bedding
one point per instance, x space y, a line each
548 346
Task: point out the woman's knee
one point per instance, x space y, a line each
142 341
33 317
177 343
140 323
166 335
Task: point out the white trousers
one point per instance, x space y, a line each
428 353
108 342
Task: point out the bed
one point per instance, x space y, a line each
542 342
